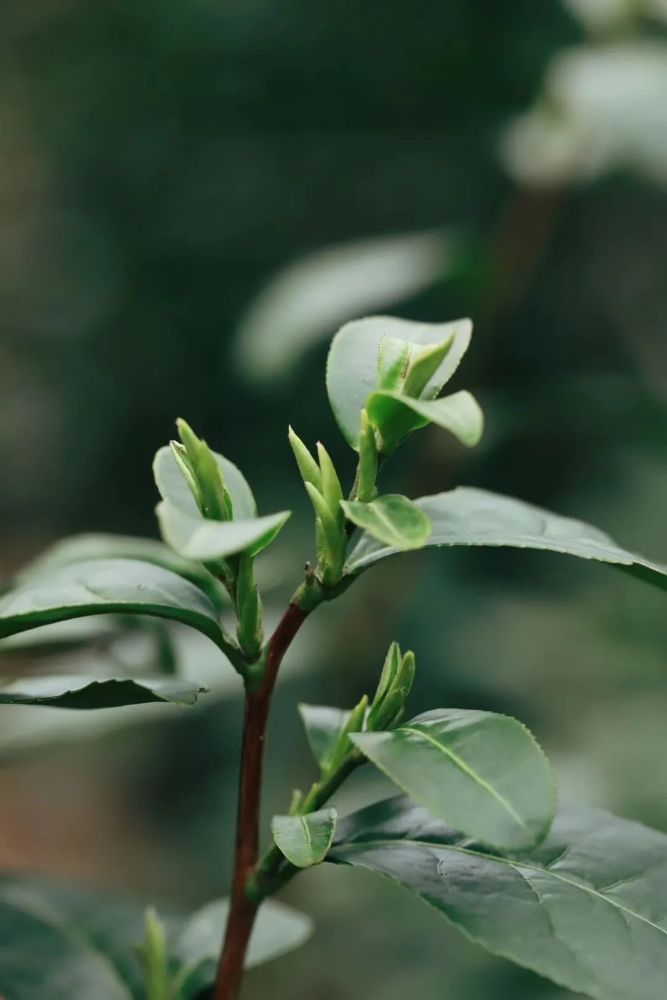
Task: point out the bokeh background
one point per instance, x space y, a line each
194 194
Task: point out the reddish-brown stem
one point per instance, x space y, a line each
243 910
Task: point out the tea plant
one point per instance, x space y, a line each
576 894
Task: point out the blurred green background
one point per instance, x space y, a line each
161 164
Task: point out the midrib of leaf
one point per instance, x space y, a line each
467 770
46 916
381 516
518 866
306 831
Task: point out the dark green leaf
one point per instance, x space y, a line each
278 929
81 548
467 516
74 691
396 415
392 519
587 909
199 538
484 774
305 840
352 368
106 585
323 726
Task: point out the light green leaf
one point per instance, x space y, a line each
311 297
396 415
81 548
173 488
278 930
481 773
467 516
75 691
323 726
392 519
305 840
587 909
197 537
65 637
352 367
102 586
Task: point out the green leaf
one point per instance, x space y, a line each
323 726
483 774
587 909
392 519
65 637
396 415
174 489
106 585
197 537
305 840
312 296
81 548
467 516
75 691
278 930
352 367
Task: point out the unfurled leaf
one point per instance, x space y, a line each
396 415
174 489
467 516
587 909
352 368
278 929
392 519
311 297
323 727
75 691
197 537
64 637
305 840
106 585
481 773
81 548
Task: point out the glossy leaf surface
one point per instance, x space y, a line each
106 585
305 840
467 516
481 773
587 909
392 519
75 691
352 367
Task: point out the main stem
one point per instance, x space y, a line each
243 910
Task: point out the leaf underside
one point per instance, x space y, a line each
587 909
392 519
75 691
305 840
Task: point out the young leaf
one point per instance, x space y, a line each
75 691
305 840
481 773
196 537
587 909
106 585
173 487
278 929
323 726
396 415
81 548
392 519
352 367
155 958
467 516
